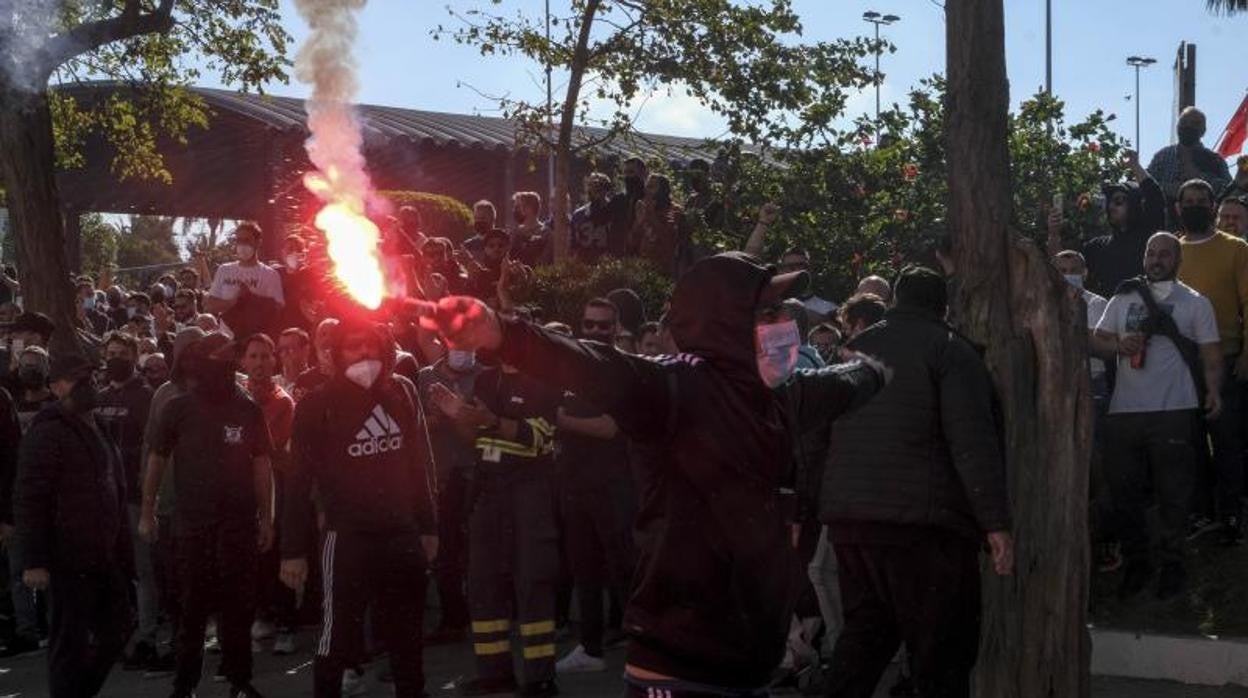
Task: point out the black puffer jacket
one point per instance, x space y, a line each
716 579
925 451
70 501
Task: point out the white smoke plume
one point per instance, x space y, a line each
25 27
326 61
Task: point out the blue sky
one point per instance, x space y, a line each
401 65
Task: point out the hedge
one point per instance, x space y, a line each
441 216
561 290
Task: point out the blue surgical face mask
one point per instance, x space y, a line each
88 303
777 347
460 360
1075 280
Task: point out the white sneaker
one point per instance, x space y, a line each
579 661
353 683
262 630
284 644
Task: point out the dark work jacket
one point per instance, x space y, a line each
716 580
69 504
123 412
925 451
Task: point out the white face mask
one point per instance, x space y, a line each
244 252
364 373
1075 280
460 360
292 262
776 351
1161 289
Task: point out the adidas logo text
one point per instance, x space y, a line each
379 434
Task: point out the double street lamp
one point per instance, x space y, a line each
1138 62
878 19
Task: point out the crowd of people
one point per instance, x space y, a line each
755 486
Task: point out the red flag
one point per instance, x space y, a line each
1232 140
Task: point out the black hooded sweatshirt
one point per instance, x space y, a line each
367 454
1119 255
716 578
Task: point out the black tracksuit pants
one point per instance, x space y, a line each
89 623
216 573
451 566
512 571
598 539
926 594
387 570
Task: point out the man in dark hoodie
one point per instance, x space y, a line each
914 485
717 578
72 537
1134 211
362 443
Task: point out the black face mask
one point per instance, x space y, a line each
1189 135
215 377
31 377
1196 219
518 217
119 370
634 186
84 396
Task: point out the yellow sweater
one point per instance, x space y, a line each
1217 267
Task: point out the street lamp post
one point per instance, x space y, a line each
877 19
1138 62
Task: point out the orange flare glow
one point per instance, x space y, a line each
352 245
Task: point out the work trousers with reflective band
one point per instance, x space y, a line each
512 572
386 569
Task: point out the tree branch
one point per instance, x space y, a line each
90 36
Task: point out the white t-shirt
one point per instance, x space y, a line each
1164 382
262 279
1096 310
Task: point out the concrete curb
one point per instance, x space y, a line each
1207 661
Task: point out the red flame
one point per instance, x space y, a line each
351 240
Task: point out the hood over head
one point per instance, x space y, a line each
356 325
714 303
184 339
1135 201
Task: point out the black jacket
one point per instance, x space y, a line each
925 451
70 501
1119 255
716 579
10 439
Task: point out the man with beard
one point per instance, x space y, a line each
123 409
1134 211
530 241
1233 216
72 536
717 577
592 226
597 501
361 442
223 484
294 348
1215 265
1156 330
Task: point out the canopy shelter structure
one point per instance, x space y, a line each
249 162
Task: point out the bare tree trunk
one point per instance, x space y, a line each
29 175
1034 641
567 121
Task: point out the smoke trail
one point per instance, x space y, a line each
25 26
325 60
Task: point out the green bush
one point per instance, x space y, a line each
561 290
441 216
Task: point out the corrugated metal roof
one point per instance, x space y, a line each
440 128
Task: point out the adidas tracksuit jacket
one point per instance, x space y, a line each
367 456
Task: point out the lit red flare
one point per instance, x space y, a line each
351 241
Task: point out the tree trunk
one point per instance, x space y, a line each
1012 302
29 175
567 121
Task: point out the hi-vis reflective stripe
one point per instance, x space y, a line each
482 627
652 692
542 627
539 651
487 649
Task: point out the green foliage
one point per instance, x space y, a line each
155 56
441 216
148 240
744 61
860 209
100 243
561 290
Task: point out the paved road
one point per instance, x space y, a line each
290 677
